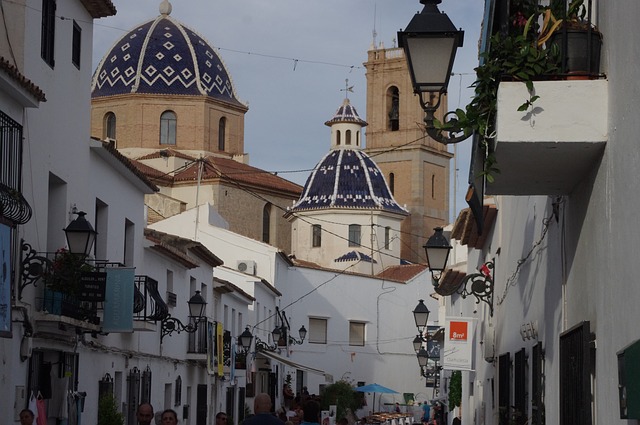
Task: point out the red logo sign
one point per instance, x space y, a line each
458 331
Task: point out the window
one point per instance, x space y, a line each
222 130
48 35
392 182
110 126
129 232
266 223
76 44
393 106
168 128
338 137
354 235
316 235
348 138
317 331
387 237
356 333
433 186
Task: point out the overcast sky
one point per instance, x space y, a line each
289 59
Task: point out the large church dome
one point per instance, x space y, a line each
162 56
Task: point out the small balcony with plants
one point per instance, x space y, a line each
540 108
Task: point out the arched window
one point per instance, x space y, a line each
393 108
222 130
168 128
348 138
392 182
316 235
357 138
354 235
110 126
338 136
266 223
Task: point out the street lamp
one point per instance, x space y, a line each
280 336
430 42
437 250
80 235
421 315
170 324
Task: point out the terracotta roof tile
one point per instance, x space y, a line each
109 147
450 282
402 273
23 81
465 228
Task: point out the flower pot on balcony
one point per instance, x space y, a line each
52 301
583 46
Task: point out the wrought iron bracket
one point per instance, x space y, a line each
171 325
33 267
481 285
451 132
263 346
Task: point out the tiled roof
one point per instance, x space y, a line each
217 168
162 56
347 178
346 114
99 8
465 228
23 81
355 256
402 272
178 248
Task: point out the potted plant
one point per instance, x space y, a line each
578 39
62 282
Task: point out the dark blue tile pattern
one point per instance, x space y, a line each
355 256
347 178
163 57
346 113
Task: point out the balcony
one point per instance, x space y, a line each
550 149
197 346
148 305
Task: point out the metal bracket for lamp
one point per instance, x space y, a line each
446 136
171 325
481 285
263 346
32 267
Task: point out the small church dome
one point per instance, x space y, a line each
162 56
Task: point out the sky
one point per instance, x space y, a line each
289 59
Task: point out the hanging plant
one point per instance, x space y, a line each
65 272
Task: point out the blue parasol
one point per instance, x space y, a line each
375 388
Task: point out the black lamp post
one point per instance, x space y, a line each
245 339
80 235
430 42
421 315
280 336
437 250
197 305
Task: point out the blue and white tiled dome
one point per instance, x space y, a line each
162 56
347 177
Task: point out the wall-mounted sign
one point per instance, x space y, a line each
458 343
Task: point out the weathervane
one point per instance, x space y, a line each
346 88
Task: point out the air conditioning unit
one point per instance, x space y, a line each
247 266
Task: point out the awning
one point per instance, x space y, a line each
288 362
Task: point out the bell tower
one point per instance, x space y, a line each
415 167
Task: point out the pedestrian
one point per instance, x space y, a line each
26 417
221 418
311 413
169 417
426 412
144 414
262 412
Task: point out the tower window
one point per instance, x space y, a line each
348 138
433 186
168 128
316 235
354 235
392 182
222 130
393 108
387 237
338 137
110 126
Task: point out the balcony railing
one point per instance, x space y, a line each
198 343
148 305
14 207
61 304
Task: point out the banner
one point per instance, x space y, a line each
118 300
458 343
211 350
5 281
220 348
